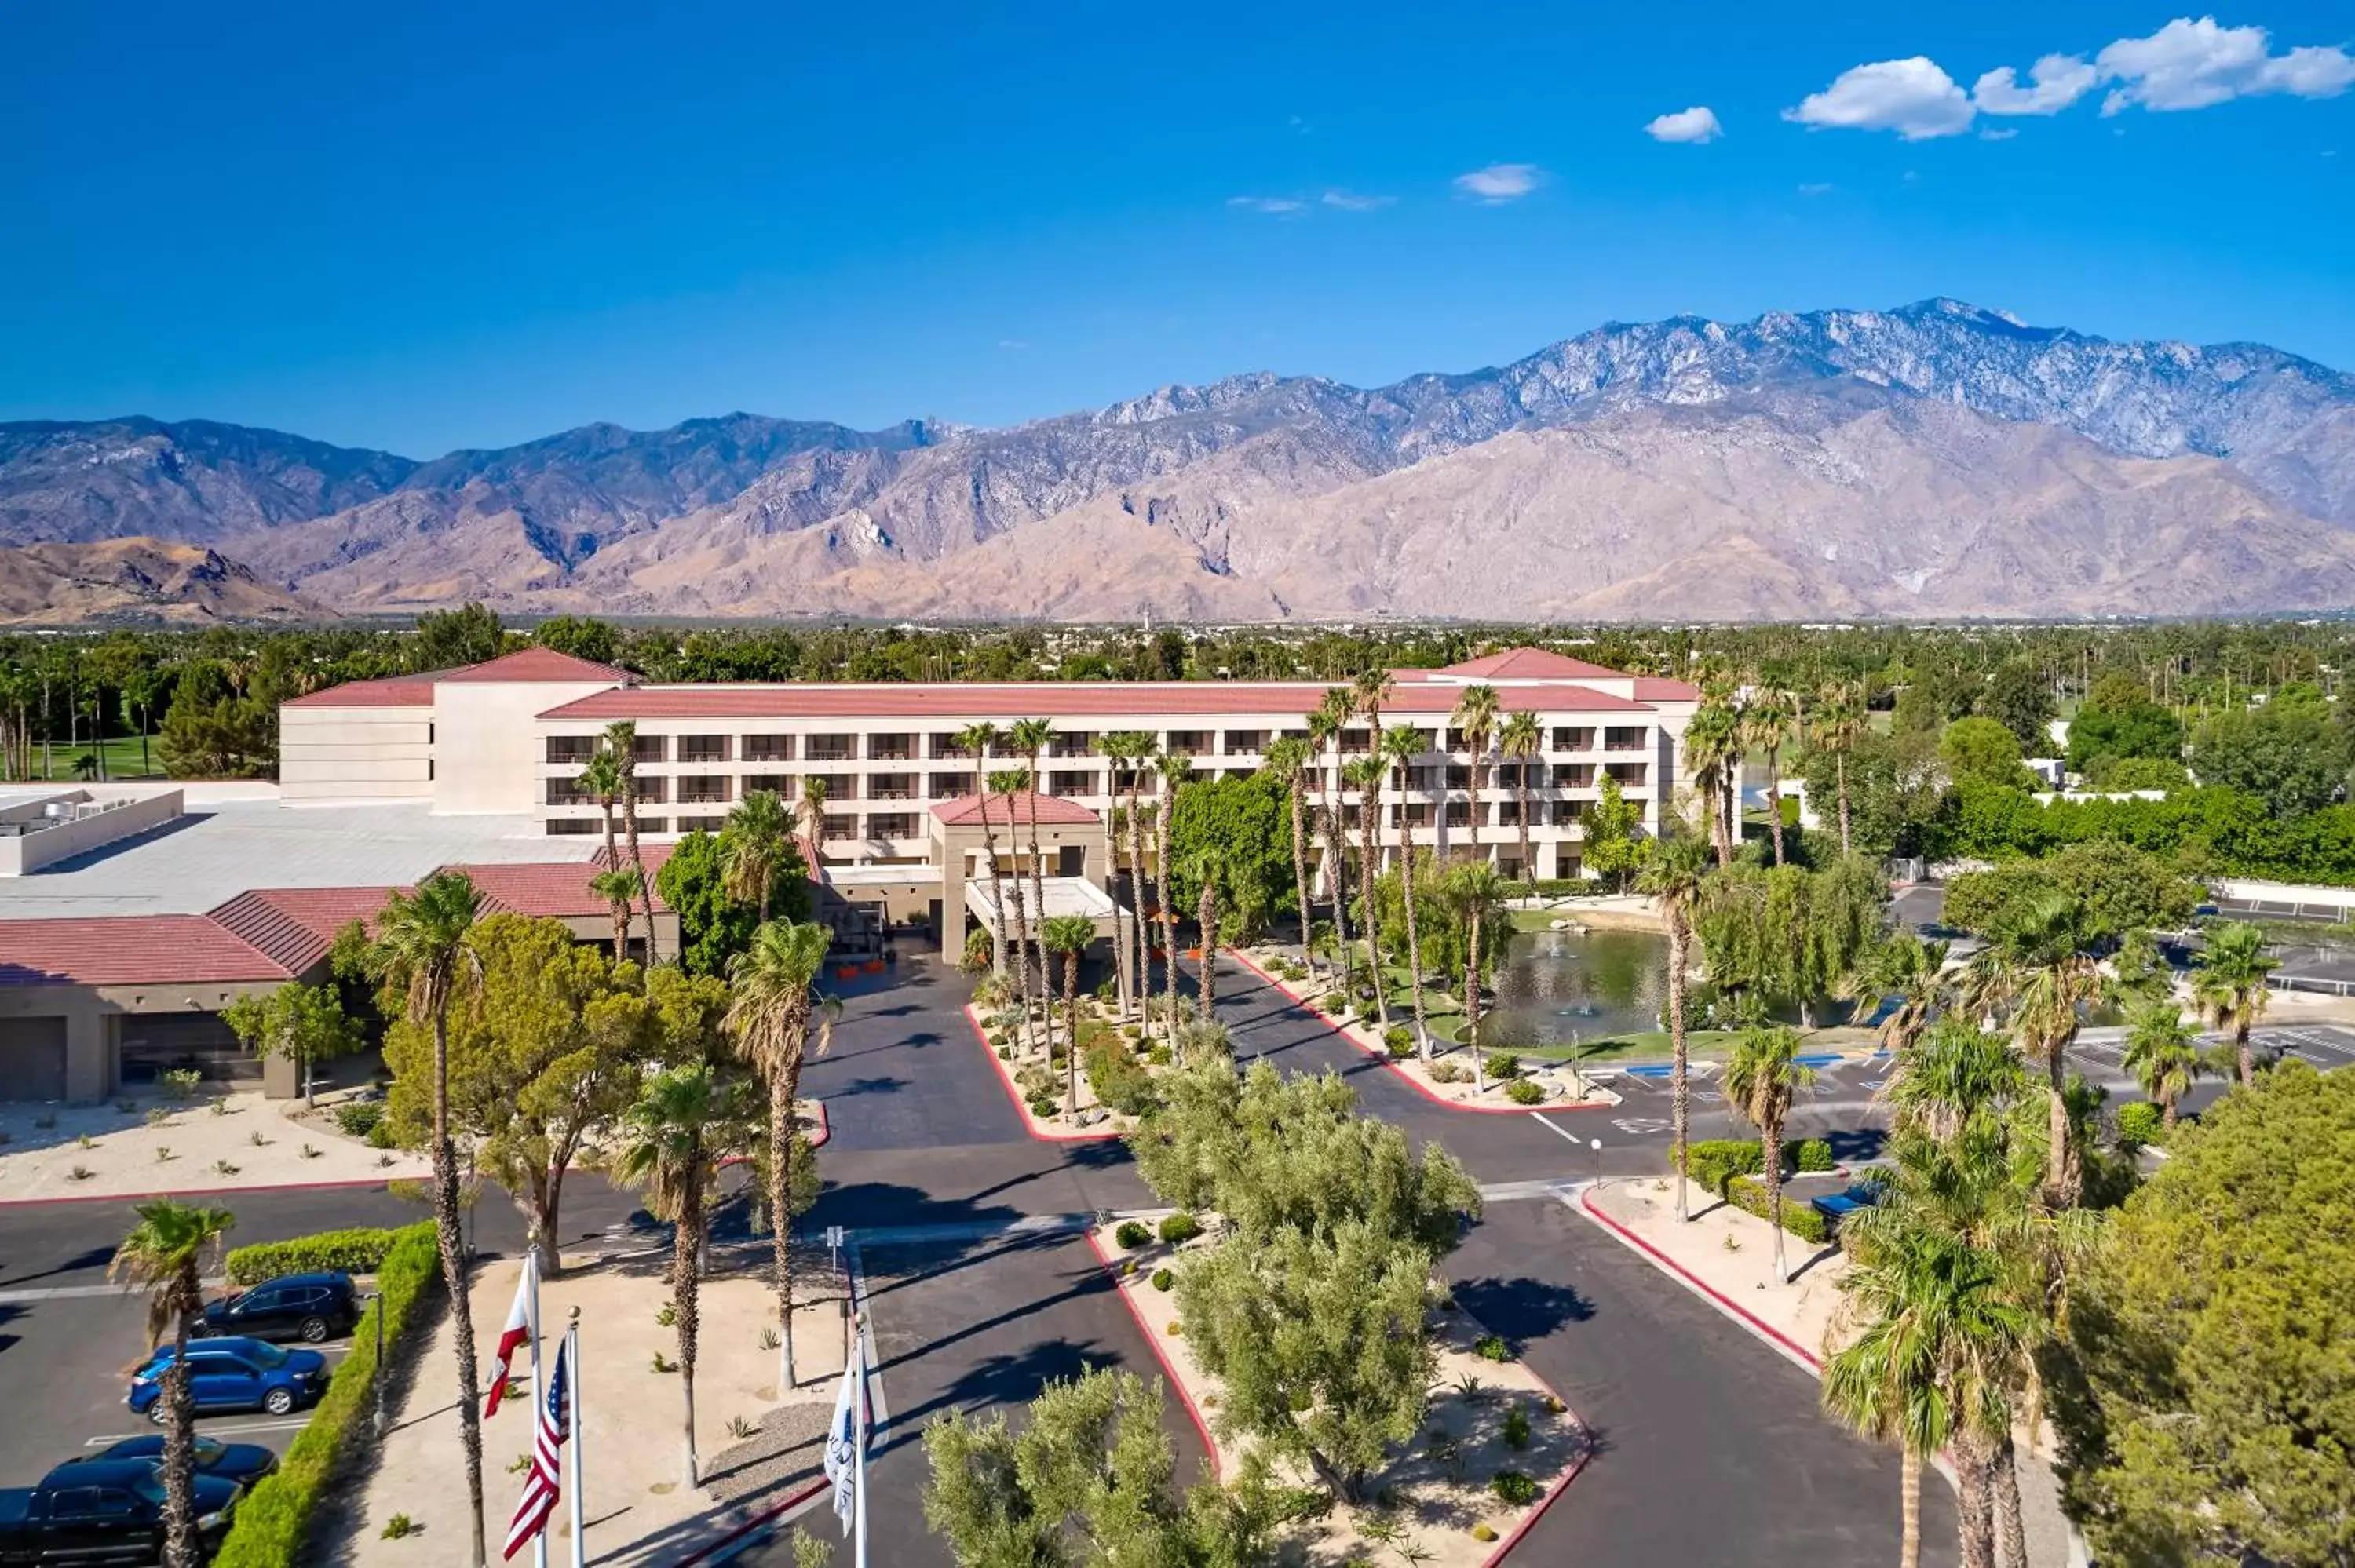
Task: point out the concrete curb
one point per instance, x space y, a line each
1014 1092
1791 1348
347 1183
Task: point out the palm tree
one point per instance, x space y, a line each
1909 974
1521 740
1759 1078
601 781
421 951
1138 746
1208 866
769 1017
619 889
161 1256
1288 761
1673 874
1475 715
2040 964
1713 753
976 739
1122 749
1325 728
1004 785
1069 935
1476 895
2162 1052
1768 722
2227 982
1029 737
756 847
1839 723
1401 745
621 741
1176 770
685 1123
1953 1072
813 812
1365 775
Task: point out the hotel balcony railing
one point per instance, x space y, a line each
1625 741
829 748
768 749
891 748
949 785
890 788
572 749
703 791
693 749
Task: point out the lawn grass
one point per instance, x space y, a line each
122 761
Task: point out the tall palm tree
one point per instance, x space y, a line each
1137 747
619 889
621 741
1476 895
1368 692
976 739
421 951
2041 967
1759 1078
162 1256
1287 762
2227 982
1177 771
1673 874
1365 775
813 812
1124 749
769 1018
1838 724
1325 728
1475 715
1768 722
1005 785
2162 1053
1713 754
1401 744
1910 975
1953 1072
1029 737
1208 868
1521 741
601 781
755 848
1069 935
685 1123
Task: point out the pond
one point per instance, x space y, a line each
1557 987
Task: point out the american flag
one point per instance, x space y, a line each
541 1487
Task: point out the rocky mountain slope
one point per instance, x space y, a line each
1837 461
65 584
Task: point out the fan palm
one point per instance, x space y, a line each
2227 982
2162 1054
2040 968
813 810
1176 770
1325 729
619 889
1006 786
1069 935
1673 874
1714 752
1521 741
1365 775
1475 715
769 1017
1401 744
161 1256
1909 975
621 743
685 1123
1474 894
755 848
1952 1072
1768 722
1208 868
976 739
1122 749
1029 737
1287 763
1760 1079
421 951
601 781
1836 726
1137 746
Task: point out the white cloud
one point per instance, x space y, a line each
2061 81
2196 65
1995 134
1911 97
1352 201
1814 188
1697 125
1501 181
1275 206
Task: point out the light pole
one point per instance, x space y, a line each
1596 1144
376 1378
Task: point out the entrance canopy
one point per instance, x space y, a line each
1064 895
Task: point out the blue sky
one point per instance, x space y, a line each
430 226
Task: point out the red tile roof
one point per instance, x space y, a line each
142 950
966 810
544 890
1660 689
393 691
537 664
294 927
1068 701
1531 664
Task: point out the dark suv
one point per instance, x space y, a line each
312 1307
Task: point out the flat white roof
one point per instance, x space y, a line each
1064 895
222 848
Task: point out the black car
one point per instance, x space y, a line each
104 1510
244 1463
312 1307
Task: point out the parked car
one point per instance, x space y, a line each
233 1375
1838 1206
104 1510
312 1307
244 1463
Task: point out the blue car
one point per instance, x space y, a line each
1838 1206
233 1375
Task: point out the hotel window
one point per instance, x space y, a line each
703 790
1069 781
829 747
654 825
1189 742
572 748
949 785
943 746
1573 737
774 783
838 785
701 824
1630 775
653 789
1459 776
1412 814
890 748
562 827
890 785
650 748
1073 743
1357 742
703 749
835 826
1625 737
768 749
892 825
1424 778
567 792
1245 742
1459 813
1573 776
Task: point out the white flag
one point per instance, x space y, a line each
842 1438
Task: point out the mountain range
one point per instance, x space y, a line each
1937 459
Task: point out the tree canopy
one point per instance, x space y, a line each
1788 934
1248 823
2290 756
2121 889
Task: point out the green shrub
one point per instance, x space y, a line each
359 1117
1400 1040
1799 1216
274 1518
1512 1487
346 1252
1524 1092
1118 1078
1565 887
1713 1161
380 1136
1448 1073
1517 1428
1335 1003
1811 1154
1504 1065
1044 1106
1179 1228
1163 1279
1492 1348
179 1083
2138 1123
1159 1055
1132 1234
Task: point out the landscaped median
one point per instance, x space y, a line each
273 1520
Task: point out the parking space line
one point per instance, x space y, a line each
289 1424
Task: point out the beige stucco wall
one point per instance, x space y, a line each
355 754
128 813
94 1016
487 742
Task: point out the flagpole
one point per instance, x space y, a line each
579 1454
858 1487
539 1388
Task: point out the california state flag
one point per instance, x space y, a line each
522 1328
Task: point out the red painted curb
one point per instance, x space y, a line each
1757 1324
1014 1092
705 1555
204 1192
1113 1274
1382 1059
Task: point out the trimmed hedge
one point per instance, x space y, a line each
273 1520
1813 1154
1714 1161
1799 1216
348 1252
